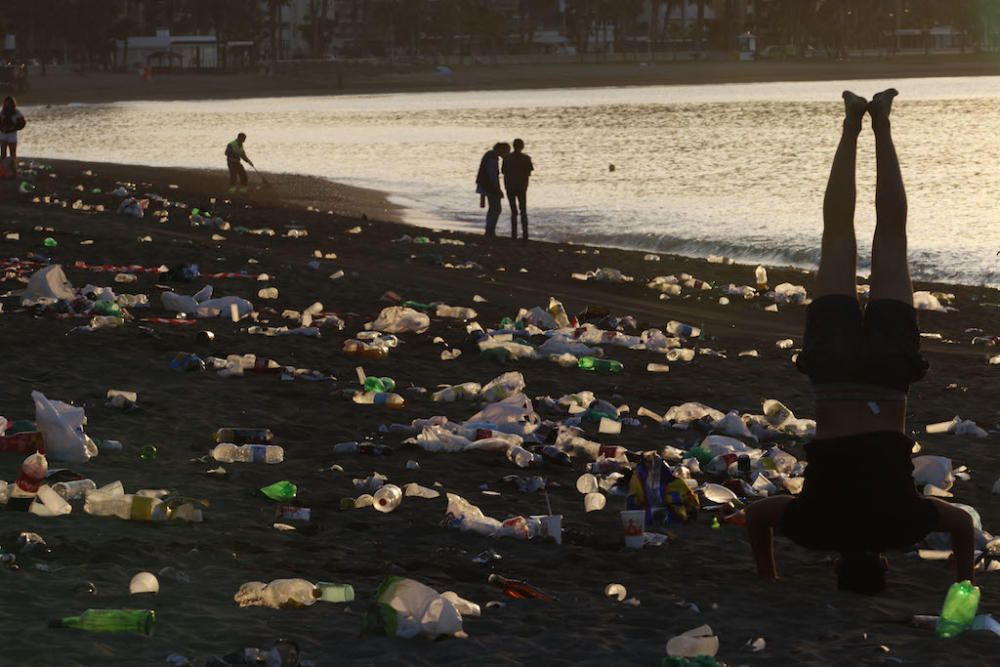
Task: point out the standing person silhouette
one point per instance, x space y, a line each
861 366
234 154
11 121
488 184
517 168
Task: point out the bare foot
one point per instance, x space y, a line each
854 105
881 105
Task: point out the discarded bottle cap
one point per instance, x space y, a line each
144 582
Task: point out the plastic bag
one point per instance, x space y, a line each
406 608
664 497
61 426
46 286
502 386
203 305
514 414
397 319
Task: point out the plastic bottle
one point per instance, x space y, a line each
776 413
129 507
74 489
519 590
381 399
335 592
388 498
110 620
959 609
33 471
278 594
558 313
379 384
356 348
680 354
675 328
595 364
361 449
244 436
761 274
459 392
230 453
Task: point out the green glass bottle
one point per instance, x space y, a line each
281 491
959 609
140 621
595 364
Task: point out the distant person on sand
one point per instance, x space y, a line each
488 184
517 168
859 496
234 154
11 121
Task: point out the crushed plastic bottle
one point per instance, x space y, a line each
230 453
604 365
959 609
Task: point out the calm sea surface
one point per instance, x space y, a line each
726 169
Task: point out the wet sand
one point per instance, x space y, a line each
803 619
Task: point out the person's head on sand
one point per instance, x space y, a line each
9 104
241 137
501 148
518 145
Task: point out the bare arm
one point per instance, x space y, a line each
763 517
957 522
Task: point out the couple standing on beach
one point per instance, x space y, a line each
516 170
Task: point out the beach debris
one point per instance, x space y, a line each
957 426
695 642
144 582
407 608
399 319
282 491
291 593
387 498
518 590
61 426
616 591
138 621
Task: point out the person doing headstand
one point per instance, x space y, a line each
861 365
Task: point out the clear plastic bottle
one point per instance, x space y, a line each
676 328
278 594
760 273
381 399
74 489
356 348
129 507
388 498
230 453
680 354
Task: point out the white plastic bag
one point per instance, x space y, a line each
46 286
61 426
420 609
397 319
514 414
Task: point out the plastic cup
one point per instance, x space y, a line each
633 525
552 527
144 582
594 502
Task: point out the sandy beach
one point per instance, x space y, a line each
703 575
328 79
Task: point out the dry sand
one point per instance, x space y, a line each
804 620
97 87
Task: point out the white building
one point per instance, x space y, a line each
164 50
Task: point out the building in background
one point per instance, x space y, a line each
164 52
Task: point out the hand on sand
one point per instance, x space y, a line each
881 104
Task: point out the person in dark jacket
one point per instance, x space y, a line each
861 364
488 184
234 154
11 121
517 168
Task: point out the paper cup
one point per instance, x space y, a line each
552 526
633 525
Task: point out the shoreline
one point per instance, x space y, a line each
104 87
703 575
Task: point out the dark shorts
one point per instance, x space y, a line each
880 347
859 495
